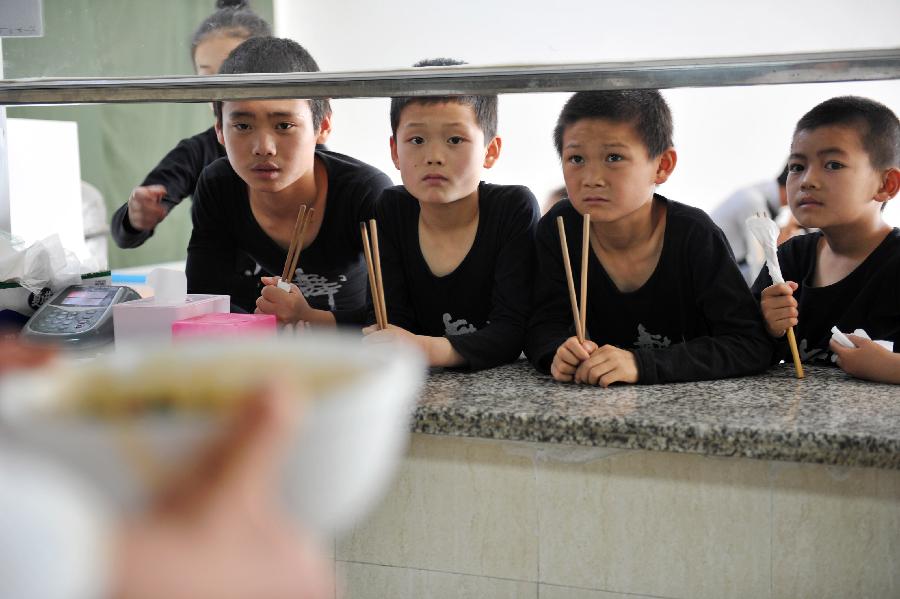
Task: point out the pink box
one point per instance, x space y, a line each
146 320
224 324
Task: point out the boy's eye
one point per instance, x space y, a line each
575 159
795 168
833 165
416 140
241 126
284 126
455 140
614 158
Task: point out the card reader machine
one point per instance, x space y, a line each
78 316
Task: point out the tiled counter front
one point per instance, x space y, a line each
527 488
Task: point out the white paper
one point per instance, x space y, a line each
766 232
34 266
169 286
841 338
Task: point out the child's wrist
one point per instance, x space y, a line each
302 311
318 317
440 351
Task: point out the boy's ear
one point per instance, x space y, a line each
394 155
492 152
219 135
890 185
324 129
665 165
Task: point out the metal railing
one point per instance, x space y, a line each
860 65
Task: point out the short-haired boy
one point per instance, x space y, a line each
457 253
843 167
666 300
248 202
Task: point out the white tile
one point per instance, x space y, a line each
836 532
459 505
366 581
655 523
547 591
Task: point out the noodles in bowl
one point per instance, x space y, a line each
126 417
204 384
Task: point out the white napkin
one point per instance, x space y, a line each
44 263
841 338
766 232
169 286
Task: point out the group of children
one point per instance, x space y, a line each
473 276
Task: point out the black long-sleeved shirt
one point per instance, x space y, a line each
868 298
693 319
178 171
331 272
482 306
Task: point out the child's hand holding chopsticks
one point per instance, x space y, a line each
287 306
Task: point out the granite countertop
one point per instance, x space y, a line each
826 418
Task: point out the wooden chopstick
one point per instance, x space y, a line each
373 286
585 241
373 230
792 339
300 239
290 253
579 332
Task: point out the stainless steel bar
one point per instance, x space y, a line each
860 65
5 204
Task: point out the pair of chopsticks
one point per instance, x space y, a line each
374 268
297 237
580 316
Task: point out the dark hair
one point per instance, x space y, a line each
273 55
485 107
781 179
233 18
645 109
877 125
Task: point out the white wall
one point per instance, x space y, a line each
726 137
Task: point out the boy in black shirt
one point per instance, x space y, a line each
456 253
248 202
666 300
843 167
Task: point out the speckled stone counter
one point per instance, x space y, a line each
514 486
826 418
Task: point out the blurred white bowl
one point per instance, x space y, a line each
353 433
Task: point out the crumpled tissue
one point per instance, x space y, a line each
766 232
42 264
841 338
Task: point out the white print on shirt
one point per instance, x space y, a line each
255 272
647 340
313 285
815 354
457 327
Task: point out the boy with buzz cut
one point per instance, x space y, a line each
456 253
247 203
843 168
666 301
